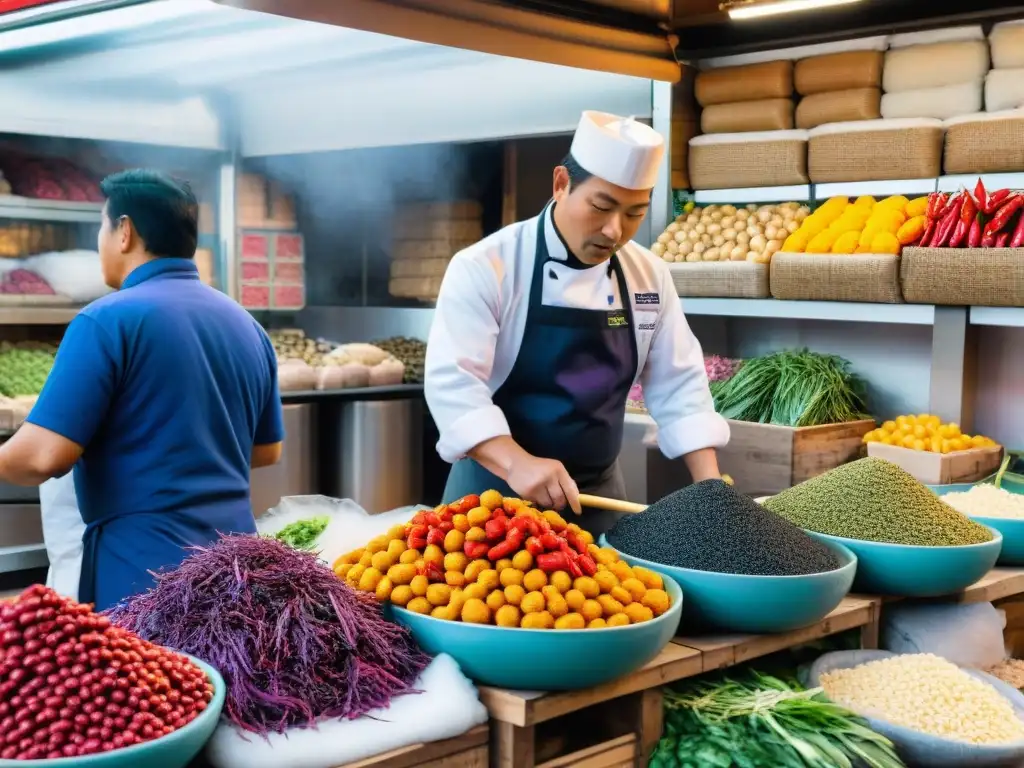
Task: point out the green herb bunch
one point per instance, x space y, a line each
765 722
793 389
302 534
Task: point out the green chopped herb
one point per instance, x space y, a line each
302 534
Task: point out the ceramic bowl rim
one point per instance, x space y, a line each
219 695
997 538
846 552
674 608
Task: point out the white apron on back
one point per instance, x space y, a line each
63 529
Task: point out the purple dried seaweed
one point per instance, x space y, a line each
292 640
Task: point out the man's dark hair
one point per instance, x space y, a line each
577 173
163 211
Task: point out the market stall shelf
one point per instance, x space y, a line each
469 750
14 207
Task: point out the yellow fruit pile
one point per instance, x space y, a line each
520 589
926 432
864 226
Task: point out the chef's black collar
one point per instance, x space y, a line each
571 259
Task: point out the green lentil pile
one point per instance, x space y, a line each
24 367
875 500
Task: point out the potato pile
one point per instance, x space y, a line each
728 233
492 560
926 432
863 226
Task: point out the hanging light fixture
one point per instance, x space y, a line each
759 9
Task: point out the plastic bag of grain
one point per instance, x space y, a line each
75 274
877 43
1004 89
932 36
934 65
939 103
968 635
1007 43
747 116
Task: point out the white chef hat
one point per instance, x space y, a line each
619 150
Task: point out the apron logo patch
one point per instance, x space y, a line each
647 298
617 320
646 326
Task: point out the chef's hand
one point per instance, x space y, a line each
546 482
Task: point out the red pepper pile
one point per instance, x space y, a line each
498 534
73 685
981 219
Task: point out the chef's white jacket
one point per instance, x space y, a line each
481 315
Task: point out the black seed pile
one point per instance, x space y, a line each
710 526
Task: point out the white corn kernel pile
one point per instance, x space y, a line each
928 694
987 501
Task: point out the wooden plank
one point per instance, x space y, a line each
608 754
720 651
942 469
650 722
997 584
523 708
512 746
429 753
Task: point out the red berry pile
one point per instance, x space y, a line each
73 685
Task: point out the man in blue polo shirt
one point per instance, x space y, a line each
163 395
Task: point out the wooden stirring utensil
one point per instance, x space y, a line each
610 505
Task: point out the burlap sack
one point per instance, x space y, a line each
721 279
838 107
748 116
838 72
769 80
985 145
963 277
871 278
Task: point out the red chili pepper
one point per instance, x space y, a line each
435 537
995 200
434 572
501 551
974 236
550 541
533 527
495 530
587 565
926 236
953 203
981 194
553 561
945 229
959 234
1003 215
475 549
417 542
516 537
1018 234
522 523
936 202
987 241
534 547
1002 240
576 542
968 210
543 526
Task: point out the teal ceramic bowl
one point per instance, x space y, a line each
176 750
904 570
1012 530
545 659
757 604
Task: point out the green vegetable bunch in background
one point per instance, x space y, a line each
793 389
302 534
24 367
760 721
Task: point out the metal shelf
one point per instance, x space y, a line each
12 207
838 311
992 181
22 558
37 315
1002 317
797 193
907 187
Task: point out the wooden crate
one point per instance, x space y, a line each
941 468
466 751
765 459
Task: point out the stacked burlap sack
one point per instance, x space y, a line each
747 98
842 86
938 74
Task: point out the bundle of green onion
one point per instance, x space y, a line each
765 722
793 389
302 534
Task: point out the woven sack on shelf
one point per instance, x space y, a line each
838 72
838 107
985 143
419 267
721 279
729 160
875 150
422 288
748 116
767 80
865 277
963 277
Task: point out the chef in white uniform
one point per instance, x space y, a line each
541 330
63 530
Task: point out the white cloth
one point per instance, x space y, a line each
63 529
481 315
618 150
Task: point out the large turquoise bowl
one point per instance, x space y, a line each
176 750
904 570
546 659
1012 552
757 604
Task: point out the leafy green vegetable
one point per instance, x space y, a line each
793 389
765 722
302 534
